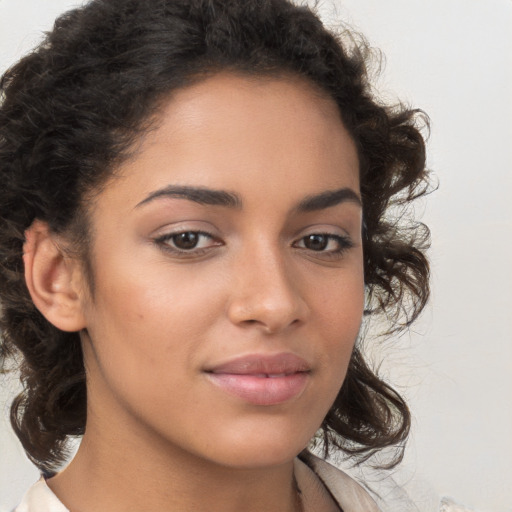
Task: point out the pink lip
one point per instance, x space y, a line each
262 379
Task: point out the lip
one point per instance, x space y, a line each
262 379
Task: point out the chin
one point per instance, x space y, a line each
264 448
258 459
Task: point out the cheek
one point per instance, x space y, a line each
338 315
146 292
148 322
342 318
144 339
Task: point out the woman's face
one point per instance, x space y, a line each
228 273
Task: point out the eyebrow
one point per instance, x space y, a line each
328 199
211 197
201 195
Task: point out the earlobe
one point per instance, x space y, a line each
52 279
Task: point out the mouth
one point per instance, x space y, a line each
262 379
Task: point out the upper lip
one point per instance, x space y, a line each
258 364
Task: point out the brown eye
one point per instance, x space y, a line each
316 242
190 243
186 241
325 244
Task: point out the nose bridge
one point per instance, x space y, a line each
271 272
265 292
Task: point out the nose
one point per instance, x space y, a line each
265 294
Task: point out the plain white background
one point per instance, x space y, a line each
452 58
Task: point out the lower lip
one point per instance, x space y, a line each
261 390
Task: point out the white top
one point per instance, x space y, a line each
349 495
39 498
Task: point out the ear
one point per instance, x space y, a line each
53 279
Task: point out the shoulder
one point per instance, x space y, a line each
351 496
40 498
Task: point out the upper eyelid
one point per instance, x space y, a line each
175 232
192 226
331 227
168 233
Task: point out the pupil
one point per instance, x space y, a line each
186 240
316 242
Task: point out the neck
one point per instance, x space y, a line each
119 474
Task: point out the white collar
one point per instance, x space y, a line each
40 498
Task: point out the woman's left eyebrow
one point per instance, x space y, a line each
328 199
212 197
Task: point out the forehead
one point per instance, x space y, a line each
250 134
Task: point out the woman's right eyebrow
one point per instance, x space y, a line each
201 195
213 197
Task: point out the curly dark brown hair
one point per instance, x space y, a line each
74 107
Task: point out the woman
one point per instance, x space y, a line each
193 224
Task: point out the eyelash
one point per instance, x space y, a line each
163 243
344 243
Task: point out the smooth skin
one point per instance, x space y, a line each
184 282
